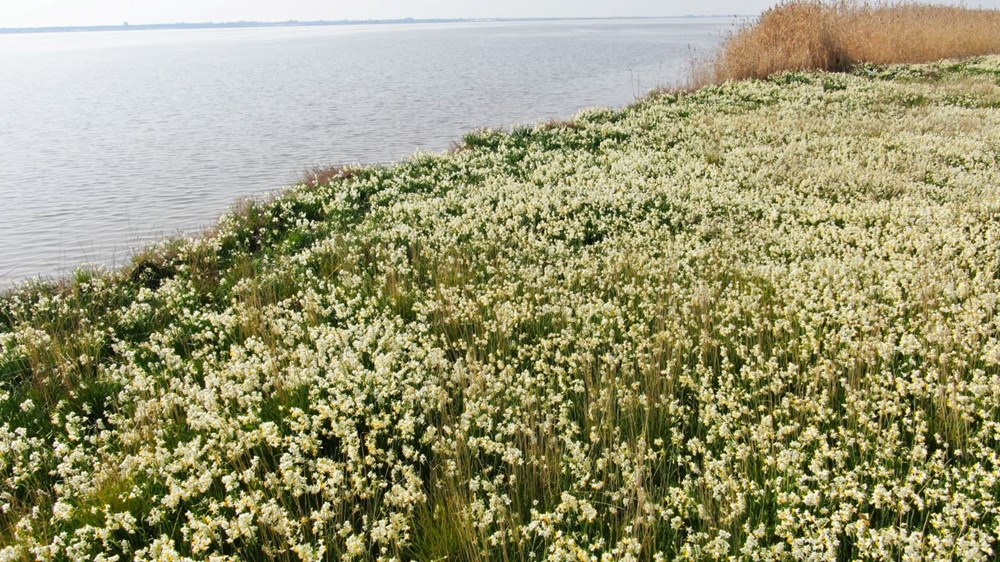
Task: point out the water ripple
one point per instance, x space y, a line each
111 140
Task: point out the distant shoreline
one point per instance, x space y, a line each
316 23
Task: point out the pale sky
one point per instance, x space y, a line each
38 13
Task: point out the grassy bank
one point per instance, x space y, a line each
834 35
755 321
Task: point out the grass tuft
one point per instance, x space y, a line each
325 175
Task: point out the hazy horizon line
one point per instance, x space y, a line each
126 26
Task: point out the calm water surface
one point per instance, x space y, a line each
109 140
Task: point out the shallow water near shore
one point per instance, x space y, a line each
109 140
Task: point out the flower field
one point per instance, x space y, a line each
757 321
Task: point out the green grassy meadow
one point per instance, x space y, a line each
756 321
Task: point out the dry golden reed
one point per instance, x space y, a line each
833 36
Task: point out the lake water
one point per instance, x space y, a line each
109 140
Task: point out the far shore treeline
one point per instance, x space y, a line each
295 23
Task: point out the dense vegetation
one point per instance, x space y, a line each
833 35
755 321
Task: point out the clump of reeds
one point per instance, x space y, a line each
322 175
834 36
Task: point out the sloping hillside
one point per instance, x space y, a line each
757 320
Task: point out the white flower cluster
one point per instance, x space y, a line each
754 322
